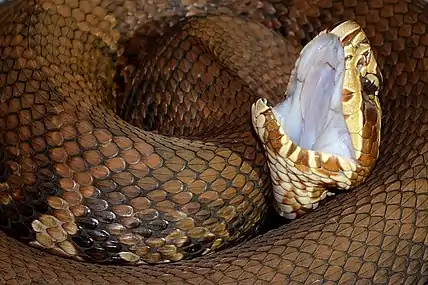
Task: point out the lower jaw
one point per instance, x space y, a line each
301 178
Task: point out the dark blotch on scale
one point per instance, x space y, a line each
5 170
106 186
105 216
4 221
158 225
32 195
25 210
98 235
13 224
239 222
82 241
97 253
193 249
48 188
116 259
21 231
45 175
111 246
97 205
197 246
88 223
144 232
12 214
41 208
131 222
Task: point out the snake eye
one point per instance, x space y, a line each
370 83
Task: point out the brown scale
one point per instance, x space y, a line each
121 197
376 234
205 109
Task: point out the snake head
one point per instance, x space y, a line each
326 134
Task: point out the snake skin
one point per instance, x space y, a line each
375 234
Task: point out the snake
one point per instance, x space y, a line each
74 173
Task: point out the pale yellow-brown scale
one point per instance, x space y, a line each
376 235
302 178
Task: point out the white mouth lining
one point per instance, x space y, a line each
312 114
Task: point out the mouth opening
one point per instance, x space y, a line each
312 114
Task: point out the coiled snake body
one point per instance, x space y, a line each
74 175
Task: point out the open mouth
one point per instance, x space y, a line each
312 114
325 134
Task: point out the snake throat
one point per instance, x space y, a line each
313 138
